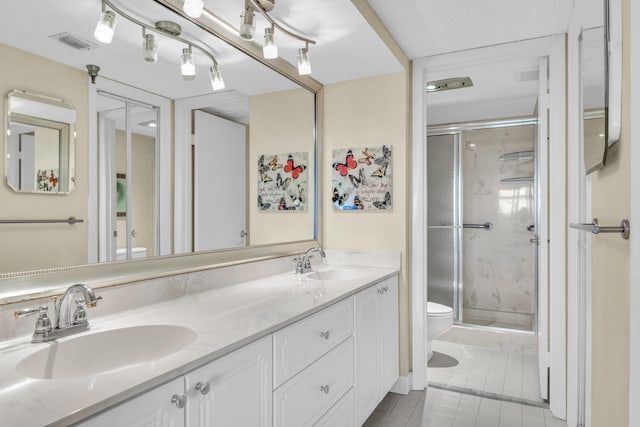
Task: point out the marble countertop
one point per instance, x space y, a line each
224 319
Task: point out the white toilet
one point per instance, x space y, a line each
439 319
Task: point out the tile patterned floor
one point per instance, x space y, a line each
442 408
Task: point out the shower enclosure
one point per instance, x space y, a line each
482 222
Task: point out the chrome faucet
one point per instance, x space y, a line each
304 262
70 316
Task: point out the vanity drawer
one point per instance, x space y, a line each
341 414
298 345
305 398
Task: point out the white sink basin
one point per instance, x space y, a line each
336 275
102 352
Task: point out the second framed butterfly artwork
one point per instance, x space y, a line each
282 182
361 178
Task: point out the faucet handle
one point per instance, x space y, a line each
42 311
43 324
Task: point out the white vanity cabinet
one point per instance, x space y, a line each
235 390
376 352
151 409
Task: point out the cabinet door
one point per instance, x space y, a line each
389 330
367 358
341 415
235 390
151 409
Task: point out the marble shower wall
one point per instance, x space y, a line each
498 276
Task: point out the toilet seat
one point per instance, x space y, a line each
438 310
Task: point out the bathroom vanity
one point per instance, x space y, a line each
318 348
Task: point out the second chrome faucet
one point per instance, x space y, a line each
303 263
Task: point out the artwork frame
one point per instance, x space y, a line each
121 195
362 178
283 182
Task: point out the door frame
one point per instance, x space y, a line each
554 48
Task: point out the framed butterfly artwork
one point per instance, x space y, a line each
361 178
282 182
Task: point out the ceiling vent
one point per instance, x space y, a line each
528 75
448 84
75 42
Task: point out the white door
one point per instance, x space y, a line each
541 238
235 390
219 188
161 407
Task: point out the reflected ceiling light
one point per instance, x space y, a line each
149 47
247 24
448 84
149 124
193 8
270 46
304 64
168 29
217 83
188 65
105 27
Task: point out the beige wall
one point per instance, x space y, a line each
28 246
280 122
610 313
371 112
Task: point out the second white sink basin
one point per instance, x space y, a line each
336 275
102 352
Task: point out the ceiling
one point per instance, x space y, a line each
347 47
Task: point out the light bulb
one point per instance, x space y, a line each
270 47
217 82
247 26
106 27
188 66
193 8
149 48
304 65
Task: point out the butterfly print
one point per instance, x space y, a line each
336 195
358 203
295 171
262 169
367 157
384 161
282 205
263 206
357 181
380 172
274 164
282 183
384 204
349 163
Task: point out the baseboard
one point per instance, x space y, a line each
403 385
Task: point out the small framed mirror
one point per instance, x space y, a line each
40 144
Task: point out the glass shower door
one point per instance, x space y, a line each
443 221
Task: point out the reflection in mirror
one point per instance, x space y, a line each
593 55
163 186
40 144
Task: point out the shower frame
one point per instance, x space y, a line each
456 129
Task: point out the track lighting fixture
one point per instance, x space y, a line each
107 23
106 27
304 64
270 46
193 8
188 65
149 48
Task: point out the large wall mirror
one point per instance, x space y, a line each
165 166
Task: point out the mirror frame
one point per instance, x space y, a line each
68 129
43 283
613 70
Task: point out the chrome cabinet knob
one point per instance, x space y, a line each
325 389
203 388
324 335
179 400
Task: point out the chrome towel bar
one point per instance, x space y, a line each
624 229
487 226
71 221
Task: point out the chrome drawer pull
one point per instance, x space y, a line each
385 288
179 400
324 335
324 388
204 387
381 291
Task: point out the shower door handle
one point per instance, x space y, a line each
487 226
534 240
